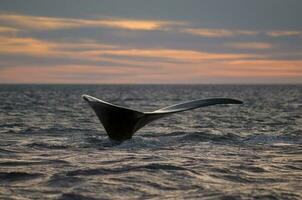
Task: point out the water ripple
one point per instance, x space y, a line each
53 147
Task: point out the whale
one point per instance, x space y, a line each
121 123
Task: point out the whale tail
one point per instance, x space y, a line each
121 123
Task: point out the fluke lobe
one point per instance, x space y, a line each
121 123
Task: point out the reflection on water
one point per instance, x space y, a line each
53 147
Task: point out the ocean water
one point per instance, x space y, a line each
52 145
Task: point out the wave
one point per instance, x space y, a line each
43 145
73 196
18 176
128 168
29 163
62 181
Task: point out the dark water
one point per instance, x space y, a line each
53 147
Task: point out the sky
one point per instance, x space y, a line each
158 41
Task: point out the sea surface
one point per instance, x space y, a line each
52 145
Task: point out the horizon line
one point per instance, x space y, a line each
150 83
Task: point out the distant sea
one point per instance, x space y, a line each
52 145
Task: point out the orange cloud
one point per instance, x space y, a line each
179 55
71 74
268 68
168 73
136 24
5 29
218 32
43 48
250 45
93 51
24 46
284 33
215 33
54 23
150 65
27 22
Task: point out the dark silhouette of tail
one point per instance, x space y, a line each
121 123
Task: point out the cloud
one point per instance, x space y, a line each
283 33
173 54
93 51
55 23
107 63
242 70
120 64
5 29
43 23
53 74
250 45
218 32
266 68
24 46
88 74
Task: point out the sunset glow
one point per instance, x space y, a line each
110 48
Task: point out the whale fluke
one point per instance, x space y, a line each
121 123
